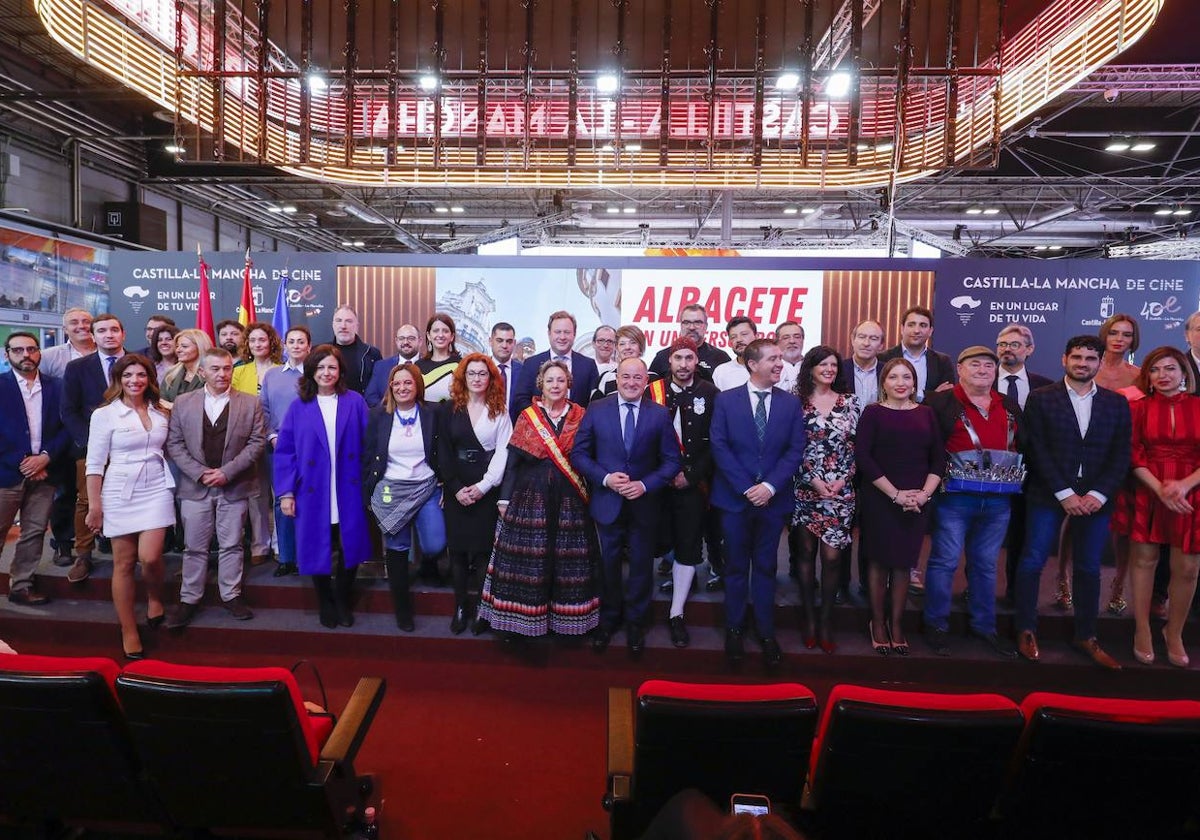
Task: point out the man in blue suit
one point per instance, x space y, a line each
84 384
1077 444
758 442
503 340
408 349
627 449
584 376
33 443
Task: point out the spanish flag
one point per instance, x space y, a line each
245 313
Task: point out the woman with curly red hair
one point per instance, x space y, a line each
473 432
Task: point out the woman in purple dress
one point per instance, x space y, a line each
901 459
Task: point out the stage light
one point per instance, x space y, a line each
633 147
174 149
1118 144
837 85
428 82
787 80
317 82
790 211
608 82
1142 146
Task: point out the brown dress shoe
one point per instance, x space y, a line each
259 559
1091 648
1027 646
81 569
27 597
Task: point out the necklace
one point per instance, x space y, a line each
407 423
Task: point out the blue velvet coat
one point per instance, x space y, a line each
302 469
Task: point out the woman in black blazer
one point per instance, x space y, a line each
400 481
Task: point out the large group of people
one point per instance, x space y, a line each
552 484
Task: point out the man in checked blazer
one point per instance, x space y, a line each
215 437
627 450
1077 442
752 488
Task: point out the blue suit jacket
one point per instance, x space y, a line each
1056 452
84 385
14 431
377 388
514 377
584 379
599 449
742 462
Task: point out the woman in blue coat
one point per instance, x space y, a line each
318 480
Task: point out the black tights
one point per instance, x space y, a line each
805 547
460 562
881 577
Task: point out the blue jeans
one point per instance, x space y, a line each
285 535
430 526
1088 535
976 522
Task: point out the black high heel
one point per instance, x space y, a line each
878 647
154 622
902 648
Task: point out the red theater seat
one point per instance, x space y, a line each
232 750
900 763
1100 767
719 739
66 756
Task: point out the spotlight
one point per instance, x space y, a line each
428 83
1118 144
837 85
787 80
608 82
317 82
174 149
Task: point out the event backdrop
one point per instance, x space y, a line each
1058 299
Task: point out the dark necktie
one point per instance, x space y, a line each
760 414
628 434
504 377
1011 379
110 361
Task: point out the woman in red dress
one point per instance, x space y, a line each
1166 464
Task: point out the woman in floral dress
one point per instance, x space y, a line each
824 513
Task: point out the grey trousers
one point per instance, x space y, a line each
31 499
200 518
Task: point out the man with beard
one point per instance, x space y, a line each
790 337
690 401
1077 440
358 357
740 331
408 349
693 324
232 336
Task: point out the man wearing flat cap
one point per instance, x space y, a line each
972 416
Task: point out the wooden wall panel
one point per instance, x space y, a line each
385 297
855 296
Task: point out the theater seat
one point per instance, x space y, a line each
66 756
719 739
233 750
1089 766
899 763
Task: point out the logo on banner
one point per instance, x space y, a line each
137 297
1107 306
965 307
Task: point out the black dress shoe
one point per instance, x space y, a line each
635 638
679 633
27 597
459 622
716 583
735 645
285 569
601 636
404 621
772 655
667 585
479 626
154 622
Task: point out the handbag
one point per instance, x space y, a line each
985 470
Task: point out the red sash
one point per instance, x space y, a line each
658 391
538 440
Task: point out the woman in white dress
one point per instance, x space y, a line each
473 433
130 490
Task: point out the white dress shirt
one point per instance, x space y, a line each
31 392
1081 404
730 374
866 382
920 363
1022 383
214 404
790 375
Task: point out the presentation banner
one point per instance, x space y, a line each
143 283
648 298
1058 299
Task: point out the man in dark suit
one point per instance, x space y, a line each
1014 346
503 340
408 349
153 324
935 371
1191 332
33 442
1077 440
693 324
84 384
628 451
215 437
585 377
757 442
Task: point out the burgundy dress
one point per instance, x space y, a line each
906 446
1166 441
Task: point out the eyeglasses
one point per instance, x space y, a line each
691 323
22 351
1009 345
603 341
477 373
